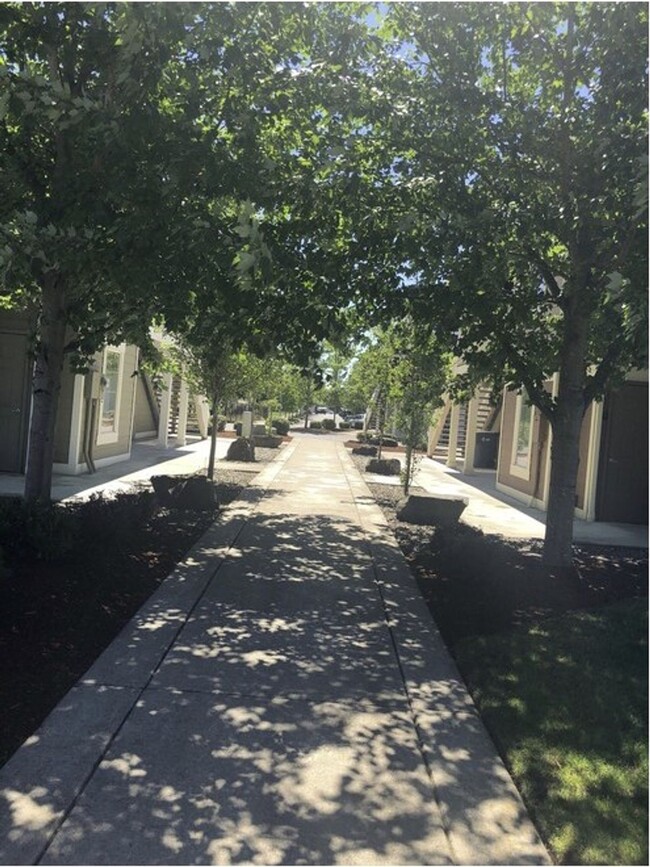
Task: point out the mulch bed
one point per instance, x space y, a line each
60 610
480 584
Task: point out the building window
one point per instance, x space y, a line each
111 387
523 438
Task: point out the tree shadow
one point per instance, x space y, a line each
276 728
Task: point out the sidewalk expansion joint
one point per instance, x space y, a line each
255 494
353 478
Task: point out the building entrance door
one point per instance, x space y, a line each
14 401
622 493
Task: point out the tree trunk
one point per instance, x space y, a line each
408 458
566 424
46 387
213 440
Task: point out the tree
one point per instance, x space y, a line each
134 139
418 379
519 137
91 233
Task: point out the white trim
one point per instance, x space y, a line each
165 409
76 420
470 435
80 468
515 469
183 405
133 380
588 511
527 499
109 437
71 469
555 384
112 459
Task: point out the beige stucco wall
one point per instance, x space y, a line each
64 416
144 421
534 485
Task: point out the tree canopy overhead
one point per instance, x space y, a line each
297 169
521 152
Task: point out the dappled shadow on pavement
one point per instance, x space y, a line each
277 730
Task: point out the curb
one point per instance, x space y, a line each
485 818
41 782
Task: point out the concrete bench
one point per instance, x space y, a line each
432 509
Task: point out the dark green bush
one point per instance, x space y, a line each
329 424
315 425
362 437
42 531
113 520
344 425
53 531
281 426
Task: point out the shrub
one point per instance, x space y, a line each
344 425
281 426
362 437
42 531
329 424
112 520
315 425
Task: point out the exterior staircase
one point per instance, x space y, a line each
487 417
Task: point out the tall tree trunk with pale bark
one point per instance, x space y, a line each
48 366
213 437
566 423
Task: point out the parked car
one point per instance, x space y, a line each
357 420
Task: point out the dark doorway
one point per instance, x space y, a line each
622 493
14 401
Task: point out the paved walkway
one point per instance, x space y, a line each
495 512
283 698
147 458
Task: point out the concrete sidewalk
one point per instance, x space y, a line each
147 458
283 698
492 511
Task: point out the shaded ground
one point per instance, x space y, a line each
478 584
71 579
558 669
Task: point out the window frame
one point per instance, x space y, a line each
105 437
516 469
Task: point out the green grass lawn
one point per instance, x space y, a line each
566 702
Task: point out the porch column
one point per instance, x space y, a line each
183 401
453 435
470 436
165 410
202 415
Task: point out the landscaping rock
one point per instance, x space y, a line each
267 442
162 486
241 449
430 510
194 493
366 451
387 441
384 467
